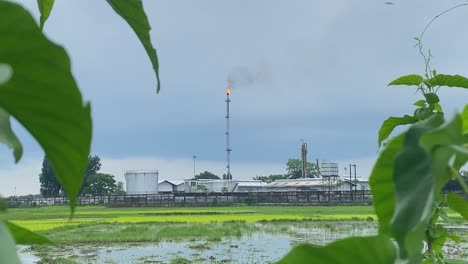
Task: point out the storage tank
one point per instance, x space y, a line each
142 181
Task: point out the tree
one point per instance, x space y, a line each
206 175
94 165
294 169
202 188
119 190
50 187
100 183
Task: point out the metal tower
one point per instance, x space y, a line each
228 146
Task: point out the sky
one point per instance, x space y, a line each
321 71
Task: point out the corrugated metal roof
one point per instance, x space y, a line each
251 184
173 182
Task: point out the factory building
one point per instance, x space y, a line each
170 186
142 181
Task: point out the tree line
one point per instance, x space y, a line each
94 182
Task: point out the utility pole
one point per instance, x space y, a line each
304 158
350 184
194 157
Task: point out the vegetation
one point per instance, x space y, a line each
206 175
407 180
294 169
101 183
60 121
51 187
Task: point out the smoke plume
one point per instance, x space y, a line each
246 76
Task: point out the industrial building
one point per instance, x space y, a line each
170 186
142 181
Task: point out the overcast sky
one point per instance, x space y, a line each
322 69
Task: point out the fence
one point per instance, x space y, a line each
207 199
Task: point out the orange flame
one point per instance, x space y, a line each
228 90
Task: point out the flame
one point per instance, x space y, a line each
228 90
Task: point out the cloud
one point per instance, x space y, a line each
20 179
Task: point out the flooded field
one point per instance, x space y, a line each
267 245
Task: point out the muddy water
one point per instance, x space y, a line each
257 247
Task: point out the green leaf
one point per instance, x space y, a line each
437 107
389 125
132 11
464 117
458 204
449 80
422 113
439 241
441 143
420 103
454 238
45 6
7 246
43 96
414 185
431 98
436 231
8 137
26 237
375 250
382 186
412 79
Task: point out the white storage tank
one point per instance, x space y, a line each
142 181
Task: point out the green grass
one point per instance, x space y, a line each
101 224
47 218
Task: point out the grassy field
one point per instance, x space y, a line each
96 225
47 218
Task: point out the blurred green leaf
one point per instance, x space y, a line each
26 237
420 103
464 117
389 125
437 107
449 80
362 250
409 80
422 113
441 144
382 186
8 137
45 6
454 238
414 185
132 11
7 246
458 204
431 98
43 96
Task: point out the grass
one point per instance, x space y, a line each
203 225
47 218
101 224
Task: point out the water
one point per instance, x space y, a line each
257 247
